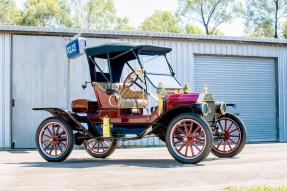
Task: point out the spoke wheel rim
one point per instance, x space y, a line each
231 137
98 146
188 139
53 139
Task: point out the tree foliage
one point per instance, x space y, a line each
7 11
264 17
209 13
161 21
45 13
191 29
98 14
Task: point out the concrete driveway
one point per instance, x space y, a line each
143 169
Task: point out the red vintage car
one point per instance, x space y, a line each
137 95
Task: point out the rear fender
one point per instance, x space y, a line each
68 117
161 123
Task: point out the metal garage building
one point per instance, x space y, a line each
251 72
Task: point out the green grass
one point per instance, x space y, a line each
257 188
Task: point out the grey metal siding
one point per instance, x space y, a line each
39 80
5 89
248 82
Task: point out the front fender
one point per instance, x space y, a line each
67 116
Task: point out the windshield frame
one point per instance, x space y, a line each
171 74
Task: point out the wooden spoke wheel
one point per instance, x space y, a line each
189 138
100 148
230 138
54 140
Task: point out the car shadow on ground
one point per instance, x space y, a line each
97 163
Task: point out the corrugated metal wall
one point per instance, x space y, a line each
39 80
5 84
30 48
247 81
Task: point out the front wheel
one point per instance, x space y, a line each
230 136
100 148
54 139
189 138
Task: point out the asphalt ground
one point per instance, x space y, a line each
144 169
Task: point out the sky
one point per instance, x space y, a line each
137 10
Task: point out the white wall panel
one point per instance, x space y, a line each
5 90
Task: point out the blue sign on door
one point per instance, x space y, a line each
73 48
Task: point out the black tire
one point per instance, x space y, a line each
171 145
66 135
241 139
93 152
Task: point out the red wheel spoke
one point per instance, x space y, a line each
46 135
219 144
56 150
60 148
196 147
234 135
63 144
233 130
62 139
196 129
233 141
53 129
49 130
192 151
229 145
45 141
229 126
181 147
47 146
62 133
220 126
199 141
185 128
51 150
224 146
58 128
182 132
190 128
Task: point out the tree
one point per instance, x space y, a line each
122 24
209 13
52 13
7 11
265 16
161 21
285 29
98 14
190 29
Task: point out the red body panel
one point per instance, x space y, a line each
181 99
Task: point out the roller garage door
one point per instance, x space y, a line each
248 82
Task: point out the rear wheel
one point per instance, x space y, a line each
100 148
189 138
230 138
54 139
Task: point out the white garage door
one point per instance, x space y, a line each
248 82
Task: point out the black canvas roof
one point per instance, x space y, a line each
115 49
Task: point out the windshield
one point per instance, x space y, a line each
158 71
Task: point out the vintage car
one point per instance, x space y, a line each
137 95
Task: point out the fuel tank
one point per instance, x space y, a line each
176 100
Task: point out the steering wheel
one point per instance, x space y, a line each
131 79
116 98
